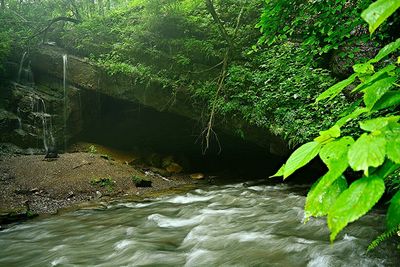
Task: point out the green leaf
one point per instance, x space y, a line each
351 116
376 90
387 100
334 90
393 143
279 172
301 157
377 123
377 75
354 202
387 168
323 194
393 213
331 133
378 12
368 151
334 154
386 50
364 68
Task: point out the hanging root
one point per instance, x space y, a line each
209 131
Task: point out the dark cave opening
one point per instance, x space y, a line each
129 126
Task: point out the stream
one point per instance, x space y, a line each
227 225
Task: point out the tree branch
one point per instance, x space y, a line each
210 6
211 9
51 22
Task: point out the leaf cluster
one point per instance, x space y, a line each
375 152
321 26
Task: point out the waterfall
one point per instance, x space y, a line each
65 62
19 119
43 116
46 120
21 64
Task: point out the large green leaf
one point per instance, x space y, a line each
279 172
378 12
376 90
378 123
386 50
334 90
387 168
301 157
387 100
393 213
334 154
393 142
368 151
382 73
329 134
323 194
354 202
327 189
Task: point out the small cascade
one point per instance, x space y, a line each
65 63
46 121
19 119
21 64
38 120
28 73
25 74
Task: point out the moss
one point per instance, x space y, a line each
106 182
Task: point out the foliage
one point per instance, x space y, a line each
386 235
107 182
275 90
320 26
178 45
136 178
92 149
5 48
376 151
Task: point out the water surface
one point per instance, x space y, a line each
217 226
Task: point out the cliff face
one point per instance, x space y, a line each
85 81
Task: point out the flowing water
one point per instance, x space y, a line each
65 64
21 64
218 226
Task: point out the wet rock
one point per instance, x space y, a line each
174 168
70 194
89 77
99 194
51 153
159 171
197 176
16 214
8 121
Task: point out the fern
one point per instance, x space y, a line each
386 235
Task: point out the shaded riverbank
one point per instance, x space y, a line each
31 185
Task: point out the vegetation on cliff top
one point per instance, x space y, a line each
180 45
